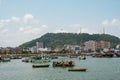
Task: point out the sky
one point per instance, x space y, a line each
24 20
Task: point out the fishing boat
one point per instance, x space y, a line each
63 63
35 59
42 61
77 69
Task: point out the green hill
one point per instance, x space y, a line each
59 39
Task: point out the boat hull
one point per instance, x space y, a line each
40 66
77 69
63 64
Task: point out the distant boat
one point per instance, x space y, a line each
117 54
16 57
82 58
25 60
6 59
0 58
73 56
54 57
40 65
77 69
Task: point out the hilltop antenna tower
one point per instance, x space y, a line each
81 41
80 30
103 30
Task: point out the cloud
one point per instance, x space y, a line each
28 17
4 31
32 30
12 42
1 25
113 22
4 22
12 19
2 28
44 26
85 30
105 22
75 25
77 28
61 31
15 19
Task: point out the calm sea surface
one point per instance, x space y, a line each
98 69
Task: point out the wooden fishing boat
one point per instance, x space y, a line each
63 64
77 69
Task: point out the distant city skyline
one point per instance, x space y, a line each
24 20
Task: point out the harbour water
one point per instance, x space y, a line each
98 69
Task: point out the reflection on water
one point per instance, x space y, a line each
98 69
